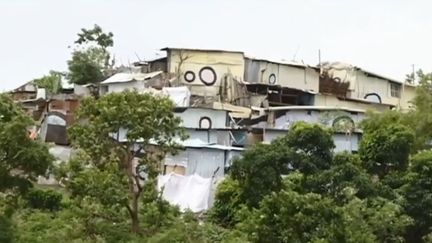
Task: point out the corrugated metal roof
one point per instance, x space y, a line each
373 74
278 86
342 66
197 143
193 143
202 50
66 84
128 77
306 107
282 62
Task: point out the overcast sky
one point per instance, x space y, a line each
386 36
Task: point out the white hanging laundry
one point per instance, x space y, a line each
179 95
188 192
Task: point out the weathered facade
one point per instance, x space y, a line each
342 141
204 70
205 160
361 85
134 80
60 114
285 74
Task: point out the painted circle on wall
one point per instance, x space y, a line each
205 123
189 76
207 75
374 97
272 78
343 124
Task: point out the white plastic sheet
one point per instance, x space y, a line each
187 192
179 95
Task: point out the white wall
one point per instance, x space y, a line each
259 71
191 117
341 141
203 162
330 100
362 84
120 87
221 137
221 62
270 135
312 116
346 142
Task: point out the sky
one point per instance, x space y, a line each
386 36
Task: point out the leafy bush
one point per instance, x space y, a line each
227 203
6 229
44 199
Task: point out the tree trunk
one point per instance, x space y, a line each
135 192
134 215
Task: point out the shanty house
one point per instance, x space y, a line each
131 80
286 74
205 159
204 70
355 84
343 141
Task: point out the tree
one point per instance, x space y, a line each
21 158
306 148
108 170
312 144
386 148
418 195
95 35
91 61
259 171
51 82
422 116
346 171
228 202
289 216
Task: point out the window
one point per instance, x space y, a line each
395 90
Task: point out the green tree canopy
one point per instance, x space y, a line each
418 195
21 158
422 114
110 176
386 148
91 60
289 216
51 82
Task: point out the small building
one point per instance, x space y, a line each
272 122
202 118
352 83
27 91
343 141
283 73
204 69
60 114
134 80
204 159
